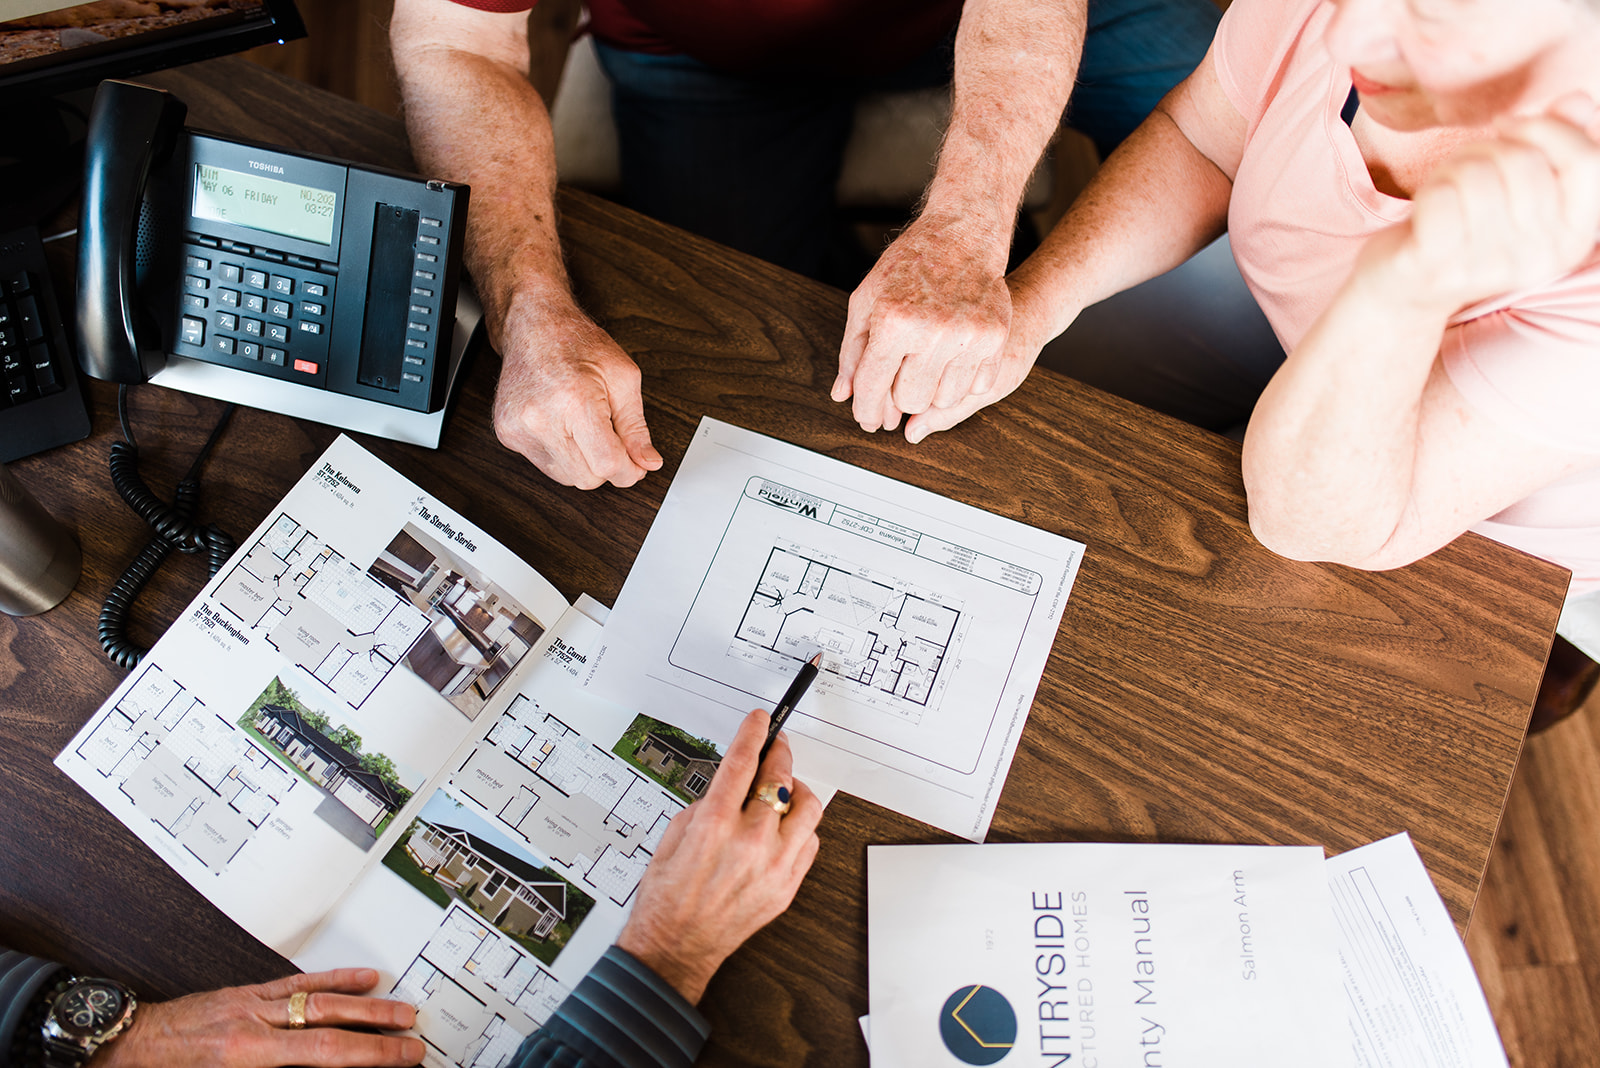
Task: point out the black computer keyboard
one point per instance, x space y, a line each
41 404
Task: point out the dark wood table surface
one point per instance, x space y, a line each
1200 688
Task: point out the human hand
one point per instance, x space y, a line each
1026 337
726 867
569 400
927 324
248 1027
1515 211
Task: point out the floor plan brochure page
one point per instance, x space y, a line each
934 620
366 742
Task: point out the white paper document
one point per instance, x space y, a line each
934 620
1413 997
1093 955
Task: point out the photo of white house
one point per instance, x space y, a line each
511 892
452 855
478 631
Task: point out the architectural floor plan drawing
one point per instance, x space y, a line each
575 803
934 621
477 992
328 616
885 642
196 776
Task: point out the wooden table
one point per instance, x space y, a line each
1200 688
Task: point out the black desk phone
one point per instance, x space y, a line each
273 278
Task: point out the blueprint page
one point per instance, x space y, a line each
934 620
289 720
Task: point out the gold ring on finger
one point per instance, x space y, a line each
774 795
297 1010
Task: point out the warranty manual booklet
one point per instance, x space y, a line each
366 743
1094 955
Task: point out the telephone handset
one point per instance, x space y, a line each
272 278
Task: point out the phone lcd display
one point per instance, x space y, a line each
262 203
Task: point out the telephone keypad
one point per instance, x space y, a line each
259 322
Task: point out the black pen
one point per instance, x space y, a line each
791 697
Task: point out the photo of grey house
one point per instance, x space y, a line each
516 897
672 757
479 632
363 790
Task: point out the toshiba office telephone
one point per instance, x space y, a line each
271 278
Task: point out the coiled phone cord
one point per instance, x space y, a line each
174 526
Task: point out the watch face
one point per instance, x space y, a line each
88 1008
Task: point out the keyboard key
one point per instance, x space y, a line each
45 378
252 327
196 263
17 389
274 356
10 336
230 297
193 330
305 366
280 309
28 319
310 326
195 302
314 289
278 332
231 272
227 321
283 285
255 279
18 281
250 350
308 308
222 344
255 302
194 281
11 362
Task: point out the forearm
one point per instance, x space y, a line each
1154 203
1014 68
473 116
1332 456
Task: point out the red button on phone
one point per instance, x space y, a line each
305 365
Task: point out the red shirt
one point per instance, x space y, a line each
834 37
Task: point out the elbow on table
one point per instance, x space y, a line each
1295 541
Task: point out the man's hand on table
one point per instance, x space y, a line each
248 1027
927 326
569 400
727 866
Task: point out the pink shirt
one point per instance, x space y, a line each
1304 204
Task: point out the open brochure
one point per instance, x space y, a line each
365 742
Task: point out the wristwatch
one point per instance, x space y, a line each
84 1016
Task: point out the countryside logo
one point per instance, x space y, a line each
978 1025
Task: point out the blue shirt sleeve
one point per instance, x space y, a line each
622 1015
21 979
